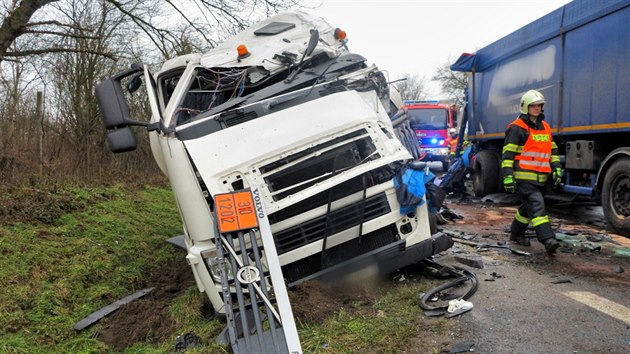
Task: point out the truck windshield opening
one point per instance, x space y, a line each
428 119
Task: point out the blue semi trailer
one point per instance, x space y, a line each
578 56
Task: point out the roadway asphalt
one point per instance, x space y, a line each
575 302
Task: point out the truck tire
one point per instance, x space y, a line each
485 176
616 196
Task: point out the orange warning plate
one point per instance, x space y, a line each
235 211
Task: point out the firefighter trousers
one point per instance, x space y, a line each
532 210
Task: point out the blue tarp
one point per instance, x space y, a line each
465 63
410 189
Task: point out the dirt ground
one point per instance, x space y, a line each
146 319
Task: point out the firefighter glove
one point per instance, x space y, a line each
509 184
557 177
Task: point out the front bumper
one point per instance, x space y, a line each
387 258
435 154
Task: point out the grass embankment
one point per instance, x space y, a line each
67 252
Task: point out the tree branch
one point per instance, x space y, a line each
56 23
62 34
14 24
24 53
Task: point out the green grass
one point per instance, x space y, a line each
77 249
56 271
384 327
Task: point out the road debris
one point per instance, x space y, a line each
458 307
439 310
462 347
494 276
470 260
561 281
97 315
618 269
186 341
482 245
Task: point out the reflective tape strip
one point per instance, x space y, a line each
512 148
507 163
553 145
539 220
534 154
530 176
555 158
520 218
532 163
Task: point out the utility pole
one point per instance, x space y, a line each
39 112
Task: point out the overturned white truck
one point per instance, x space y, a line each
285 111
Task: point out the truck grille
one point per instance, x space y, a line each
314 165
303 268
367 180
338 220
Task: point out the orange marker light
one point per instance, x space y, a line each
242 51
340 34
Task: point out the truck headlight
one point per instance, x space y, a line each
212 260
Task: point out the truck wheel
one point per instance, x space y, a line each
485 176
616 196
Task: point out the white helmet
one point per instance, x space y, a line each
531 97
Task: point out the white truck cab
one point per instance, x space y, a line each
285 108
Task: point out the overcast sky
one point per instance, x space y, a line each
417 36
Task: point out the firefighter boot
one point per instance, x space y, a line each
545 234
551 245
517 233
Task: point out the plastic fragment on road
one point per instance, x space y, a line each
434 313
462 347
481 245
623 252
561 281
470 260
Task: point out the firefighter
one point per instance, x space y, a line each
530 158
452 145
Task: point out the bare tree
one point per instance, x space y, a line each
37 20
451 82
412 87
65 47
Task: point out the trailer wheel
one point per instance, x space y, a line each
485 176
616 196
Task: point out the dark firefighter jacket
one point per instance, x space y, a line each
515 139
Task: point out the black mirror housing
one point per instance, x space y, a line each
114 108
112 103
122 140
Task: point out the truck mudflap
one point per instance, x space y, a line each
258 311
388 258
